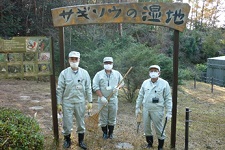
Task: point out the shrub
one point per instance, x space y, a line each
19 131
201 67
185 74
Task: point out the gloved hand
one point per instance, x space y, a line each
89 106
59 107
168 116
138 110
104 100
115 90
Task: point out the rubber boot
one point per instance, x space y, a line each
111 128
149 140
81 141
67 141
161 143
104 130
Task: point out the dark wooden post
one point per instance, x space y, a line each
61 48
53 97
120 26
175 83
195 81
186 128
212 82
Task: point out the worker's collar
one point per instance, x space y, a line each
75 71
108 71
154 80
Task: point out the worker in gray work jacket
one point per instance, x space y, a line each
104 83
155 98
74 87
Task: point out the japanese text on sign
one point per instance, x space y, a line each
173 15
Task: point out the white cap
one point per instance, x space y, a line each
74 54
154 66
110 59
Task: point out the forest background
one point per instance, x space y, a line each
133 45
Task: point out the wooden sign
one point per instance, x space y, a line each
25 57
16 44
172 15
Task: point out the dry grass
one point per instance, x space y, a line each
206 129
207 114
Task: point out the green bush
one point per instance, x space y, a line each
19 131
201 68
185 74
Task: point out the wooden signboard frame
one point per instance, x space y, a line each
172 15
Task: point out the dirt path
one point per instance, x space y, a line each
30 97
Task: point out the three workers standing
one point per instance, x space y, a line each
74 88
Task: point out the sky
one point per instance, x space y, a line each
222 13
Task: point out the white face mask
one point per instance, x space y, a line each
108 66
154 74
74 65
